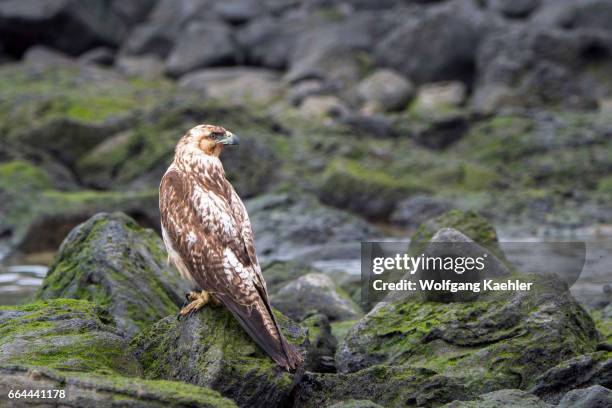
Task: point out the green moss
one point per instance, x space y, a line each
340 329
603 324
22 174
64 334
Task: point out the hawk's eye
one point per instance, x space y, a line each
216 135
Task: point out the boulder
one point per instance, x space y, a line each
151 39
113 262
355 404
502 399
413 211
440 96
500 341
580 372
370 193
102 391
66 335
592 397
210 349
470 223
287 225
235 85
389 386
86 24
536 66
268 41
385 90
99 55
314 293
278 273
439 44
202 44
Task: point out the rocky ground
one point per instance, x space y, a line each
358 120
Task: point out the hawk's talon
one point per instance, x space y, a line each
198 301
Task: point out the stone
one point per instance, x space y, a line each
385 90
314 293
113 262
413 211
210 349
511 398
595 396
235 85
441 95
202 44
515 8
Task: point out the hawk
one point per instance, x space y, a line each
209 238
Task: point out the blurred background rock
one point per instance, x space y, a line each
359 119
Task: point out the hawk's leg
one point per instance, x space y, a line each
198 300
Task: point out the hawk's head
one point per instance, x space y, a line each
209 139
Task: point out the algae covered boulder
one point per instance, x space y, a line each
505 339
210 349
314 293
502 399
64 334
115 263
76 389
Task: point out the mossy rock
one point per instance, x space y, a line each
471 224
87 390
322 344
389 386
119 265
210 349
64 334
502 399
278 273
502 340
369 192
37 218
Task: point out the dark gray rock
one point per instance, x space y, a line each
320 357
314 293
202 44
438 45
356 404
502 399
85 24
133 11
100 56
103 391
515 8
286 224
112 261
268 41
210 349
150 39
413 211
239 11
278 273
592 397
580 372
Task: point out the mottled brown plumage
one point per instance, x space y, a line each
209 238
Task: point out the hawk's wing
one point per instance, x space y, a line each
213 240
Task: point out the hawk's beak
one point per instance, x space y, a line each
229 139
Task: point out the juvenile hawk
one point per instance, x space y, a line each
208 235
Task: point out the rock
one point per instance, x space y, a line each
278 273
471 224
355 404
285 225
502 399
369 125
38 217
450 243
440 96
389 386
268 41
442 129
321 106
86 24
235 85
239 11
499 342
580 372
47 57
320 357
113 262
535 66
100 56
385 90
133 11
228 361
413 211
515 8
373 194
202 44
592 397
441 45
64 334
103 391
314 293
310 87
150 39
